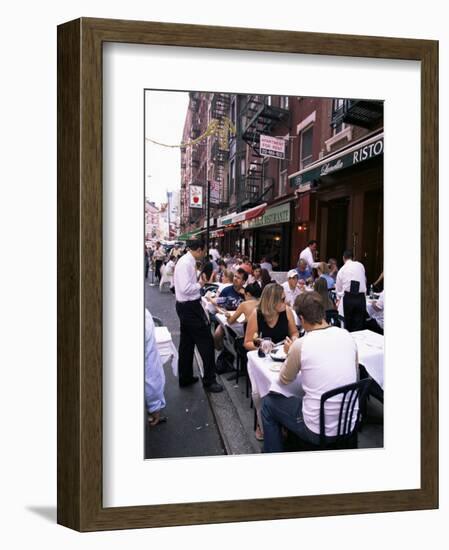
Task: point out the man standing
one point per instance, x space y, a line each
195 329
158 256
327 359
308 254
350 271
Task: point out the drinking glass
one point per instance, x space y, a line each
267 346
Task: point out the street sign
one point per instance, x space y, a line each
272 147
214 192
196 196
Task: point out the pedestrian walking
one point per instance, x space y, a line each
194 325
158 257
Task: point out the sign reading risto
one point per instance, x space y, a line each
362 153
272 216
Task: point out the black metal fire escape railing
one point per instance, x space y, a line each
220 147
258 118
359 112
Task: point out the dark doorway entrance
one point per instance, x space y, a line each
373 229
337 228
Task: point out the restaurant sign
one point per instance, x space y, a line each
196 196
364 152
272 216
272 147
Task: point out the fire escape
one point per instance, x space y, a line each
258 118
359 112
220 146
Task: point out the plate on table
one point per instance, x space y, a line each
275 367
278 354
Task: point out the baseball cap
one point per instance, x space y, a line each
292 273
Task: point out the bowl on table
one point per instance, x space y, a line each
278 354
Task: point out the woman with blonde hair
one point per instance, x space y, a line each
323 273
273 319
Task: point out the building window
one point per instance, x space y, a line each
305 144
242 167
282 183
284 102
337 108
232 178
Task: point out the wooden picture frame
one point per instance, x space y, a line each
80 274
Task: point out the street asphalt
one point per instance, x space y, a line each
191 429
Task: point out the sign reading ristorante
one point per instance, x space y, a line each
272 216
364 152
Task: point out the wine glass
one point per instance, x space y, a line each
267 345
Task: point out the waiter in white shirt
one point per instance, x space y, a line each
308 254
195 329
351 271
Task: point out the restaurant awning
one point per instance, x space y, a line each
188 235
239 217
366 149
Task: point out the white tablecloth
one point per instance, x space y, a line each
236 327
264 376
166 348
370 346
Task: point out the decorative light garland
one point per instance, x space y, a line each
214 128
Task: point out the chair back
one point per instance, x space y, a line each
354 311
333 318
348 417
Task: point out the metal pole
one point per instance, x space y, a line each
208 218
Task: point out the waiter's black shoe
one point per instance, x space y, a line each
188 382
215 387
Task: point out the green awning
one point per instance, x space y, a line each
189 235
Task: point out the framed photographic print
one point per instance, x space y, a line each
234 208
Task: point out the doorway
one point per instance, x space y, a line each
337 227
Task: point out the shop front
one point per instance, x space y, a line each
340 204
269 235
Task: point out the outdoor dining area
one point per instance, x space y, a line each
257 362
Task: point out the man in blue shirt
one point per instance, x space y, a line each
303 270
234 295
154 374
235 292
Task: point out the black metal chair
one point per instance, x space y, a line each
348 419
332 318
157 322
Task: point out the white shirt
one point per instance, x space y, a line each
328 360
187 287
290 295
377 315
214 253
351 271
307 255
154 371
267 266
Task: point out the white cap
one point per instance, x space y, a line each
292 273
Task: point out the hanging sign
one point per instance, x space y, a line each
196 196
214 192
272 147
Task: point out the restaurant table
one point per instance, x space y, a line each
263 373
237 327
370 347
166 348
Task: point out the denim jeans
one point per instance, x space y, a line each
278 411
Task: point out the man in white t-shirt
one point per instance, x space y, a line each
351 271
326 358
291 288
308 254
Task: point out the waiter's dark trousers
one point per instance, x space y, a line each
157 269
195 331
